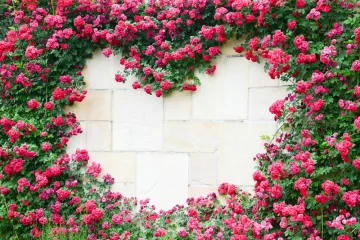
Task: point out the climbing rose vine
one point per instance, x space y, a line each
307 180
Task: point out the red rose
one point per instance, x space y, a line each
58 121
136 85
14 135
107 52
35 232
223 188
65 79
147 89
300 3
45 147
32 104
158 92
48 106
239 49
165 85
118 78
232 190
58 94
291 25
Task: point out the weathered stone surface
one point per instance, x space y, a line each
223 96
241 142
99 136
138 122
178 106
191 136
203 169
162 177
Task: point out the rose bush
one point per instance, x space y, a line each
306 183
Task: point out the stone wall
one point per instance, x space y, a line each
185 145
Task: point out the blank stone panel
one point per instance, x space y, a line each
137 121
99 136
245 137
242 141
137 107
178 106
235 167
135 137
203 169
192 136
223 96
162 177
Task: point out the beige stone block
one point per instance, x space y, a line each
223 96
178 106
95 106
162 177
245 137
235 167
137 107
137 136
191 136
203 169
241 142
121 166
78 141
99 136
126 189
202 191
260 100
258 76
100 73
138 121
